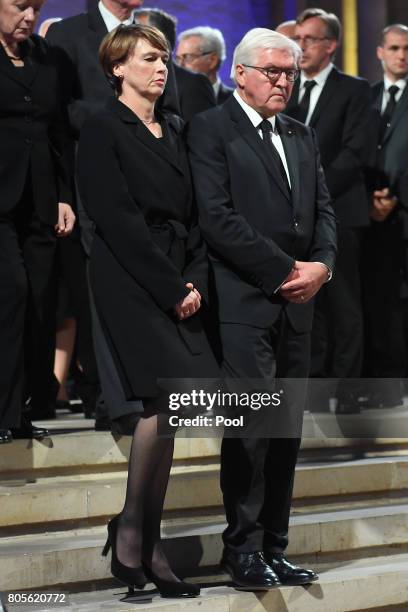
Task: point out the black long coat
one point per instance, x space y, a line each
137 190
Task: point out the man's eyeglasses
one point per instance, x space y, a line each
309 41
189 57
274 74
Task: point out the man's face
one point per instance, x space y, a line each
189 54
265 95
317 49
394 55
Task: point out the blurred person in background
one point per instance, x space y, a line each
202 49
35 209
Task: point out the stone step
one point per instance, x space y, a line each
89 496
89 451
68 557
369 584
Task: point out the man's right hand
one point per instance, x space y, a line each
382 204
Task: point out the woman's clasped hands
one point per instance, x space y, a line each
190 304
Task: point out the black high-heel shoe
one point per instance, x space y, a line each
170 588
133 577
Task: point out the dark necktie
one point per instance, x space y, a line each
266 128
303 108
389 110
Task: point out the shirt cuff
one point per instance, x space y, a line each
329 271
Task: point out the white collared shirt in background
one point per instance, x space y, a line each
110 20
320 79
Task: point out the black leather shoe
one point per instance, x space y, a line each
249 571
5 436
288 573
29 431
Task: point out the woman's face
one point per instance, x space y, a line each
18 18
145 72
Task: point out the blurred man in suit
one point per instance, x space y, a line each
337 106
202 49
388 232
266 216
194 90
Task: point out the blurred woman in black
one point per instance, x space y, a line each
35 208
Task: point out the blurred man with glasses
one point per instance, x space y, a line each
337 106
266 216
202 49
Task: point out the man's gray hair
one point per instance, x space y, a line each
212 40
262 38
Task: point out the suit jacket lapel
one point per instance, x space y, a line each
30 54
400 110
329 90
293 101
143 134
247 131
292 157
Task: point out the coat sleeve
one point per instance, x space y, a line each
228 234
324 246
354 150
118 219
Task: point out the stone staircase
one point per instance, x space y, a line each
349 521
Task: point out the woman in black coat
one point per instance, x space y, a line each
35 197
148 270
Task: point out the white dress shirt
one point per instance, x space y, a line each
255 118
320 79
110 20
401 84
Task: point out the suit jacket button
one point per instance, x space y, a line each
28 99
28 141
379 147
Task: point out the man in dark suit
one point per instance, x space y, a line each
266 216
194 90
336 106
388 232
202 49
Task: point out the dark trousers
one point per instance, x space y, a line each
337 336
27 312
385 355
257 473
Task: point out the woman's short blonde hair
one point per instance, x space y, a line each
119 45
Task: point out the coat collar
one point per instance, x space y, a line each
96 22
30 52
329 90
249 133
141 131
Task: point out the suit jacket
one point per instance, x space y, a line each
77 40
33 134
195 93
137 190
224 93
341 122
254 228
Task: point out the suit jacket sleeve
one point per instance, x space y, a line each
119 221
351 158
227 232
324 244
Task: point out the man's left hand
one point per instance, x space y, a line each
311 277
66 220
